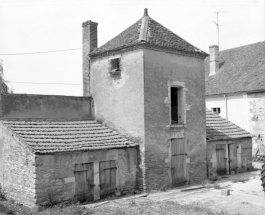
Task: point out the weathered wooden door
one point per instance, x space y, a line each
107 173
178 162
232 152
84 181
221 159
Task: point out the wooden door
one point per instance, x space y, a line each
107 174
221 159
178 162
84 181
232 159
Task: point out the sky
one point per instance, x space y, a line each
30 26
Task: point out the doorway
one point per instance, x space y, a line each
178 162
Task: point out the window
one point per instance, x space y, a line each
115 64
216 110
175 94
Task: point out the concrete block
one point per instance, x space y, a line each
225 192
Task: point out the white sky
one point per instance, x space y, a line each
47 25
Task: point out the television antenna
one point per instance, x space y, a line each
217 24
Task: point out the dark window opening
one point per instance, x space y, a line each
216 110
115 64
175 105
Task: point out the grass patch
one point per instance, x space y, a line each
132 207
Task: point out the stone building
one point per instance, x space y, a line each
52 150
229 147
235 88
148 83
139 125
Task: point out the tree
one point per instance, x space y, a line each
3 83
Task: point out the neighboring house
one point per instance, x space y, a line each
235 87
52 150
149 84
229 147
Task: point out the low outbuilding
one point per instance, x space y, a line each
229 147
54 159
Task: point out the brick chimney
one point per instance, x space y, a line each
214 63
90 42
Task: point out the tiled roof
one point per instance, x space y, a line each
218 128
242 69
50 136
157 35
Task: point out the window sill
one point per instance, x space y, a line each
177 126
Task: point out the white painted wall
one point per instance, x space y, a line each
234 108
217 102
237 110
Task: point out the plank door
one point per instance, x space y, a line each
84 181
107 174
178 162
232 149
221 159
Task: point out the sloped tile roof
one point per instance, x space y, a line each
242 69
157 35
218 128
50 136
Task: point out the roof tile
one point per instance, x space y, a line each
218 128
51 136
241 70
157 35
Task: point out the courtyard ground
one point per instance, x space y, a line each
246 197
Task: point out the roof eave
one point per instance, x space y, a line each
85 150
146 45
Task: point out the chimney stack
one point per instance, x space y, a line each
214 63
90 42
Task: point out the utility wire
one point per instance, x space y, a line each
18 82
44 52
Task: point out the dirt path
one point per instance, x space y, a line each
246 195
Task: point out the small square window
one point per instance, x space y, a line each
216 110
115 64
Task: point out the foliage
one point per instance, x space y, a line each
2 194
4 89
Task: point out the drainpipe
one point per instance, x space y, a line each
226 110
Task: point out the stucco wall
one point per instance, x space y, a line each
25 106
17 169
244 155
219 101
55 173
159 68
119 100
233 107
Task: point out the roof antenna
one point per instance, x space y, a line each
217 24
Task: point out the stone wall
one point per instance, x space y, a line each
25 106
17 169
257 120
55 173
244 155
